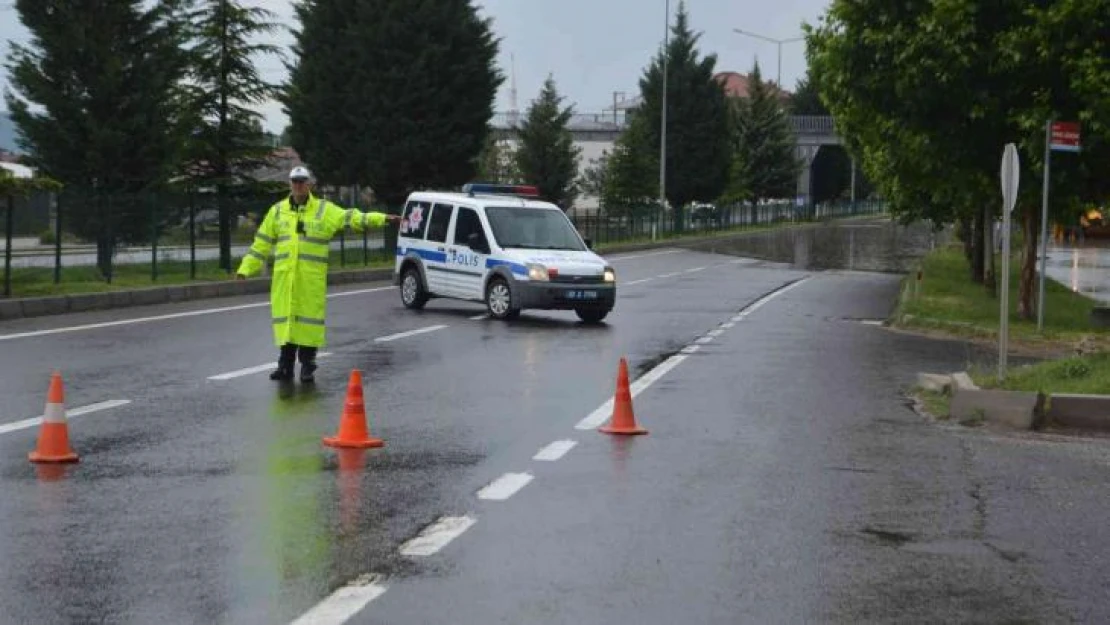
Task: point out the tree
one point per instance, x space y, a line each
698 150
228 143
806 100
764 165
547 156
106 77
632 180
497 162
397 94
979 78
595 176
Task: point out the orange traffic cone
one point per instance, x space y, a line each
53 443
623 420
352 425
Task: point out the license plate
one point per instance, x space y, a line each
581 295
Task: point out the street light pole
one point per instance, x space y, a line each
663 117
778 43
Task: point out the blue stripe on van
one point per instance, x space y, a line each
514 267
438 257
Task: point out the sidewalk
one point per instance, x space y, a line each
1084 269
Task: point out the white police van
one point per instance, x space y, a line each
499 245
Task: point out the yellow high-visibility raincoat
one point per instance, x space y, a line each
298 289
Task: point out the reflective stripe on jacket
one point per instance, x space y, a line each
298 289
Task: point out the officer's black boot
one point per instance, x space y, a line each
286 362
308 364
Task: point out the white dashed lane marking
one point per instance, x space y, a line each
554 451
505 486
437 536
74 412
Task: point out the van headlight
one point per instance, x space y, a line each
537 272
609 275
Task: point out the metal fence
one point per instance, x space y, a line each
54 241
74 242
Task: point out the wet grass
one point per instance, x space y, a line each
1080 374
948 302
39 281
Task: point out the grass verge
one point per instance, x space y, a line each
1078 374
947 302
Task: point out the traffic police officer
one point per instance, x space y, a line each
298 231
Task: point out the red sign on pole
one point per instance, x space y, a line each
1065 136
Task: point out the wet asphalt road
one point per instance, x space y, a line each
783 479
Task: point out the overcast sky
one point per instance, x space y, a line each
592 47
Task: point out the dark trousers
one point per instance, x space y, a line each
290 352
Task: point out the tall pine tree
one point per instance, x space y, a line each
547 156
106 77
764 165
698 151
228 143
397 94
632 180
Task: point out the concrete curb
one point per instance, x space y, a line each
1088 412
62 304
970 405
1011 409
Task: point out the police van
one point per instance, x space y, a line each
502 246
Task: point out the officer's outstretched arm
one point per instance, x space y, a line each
341 218
264 240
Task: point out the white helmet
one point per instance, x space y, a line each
300 172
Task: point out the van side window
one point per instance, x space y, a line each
415 219
437 224
467 223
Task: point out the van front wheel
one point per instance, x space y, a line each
499 300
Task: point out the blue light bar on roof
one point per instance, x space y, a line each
520 190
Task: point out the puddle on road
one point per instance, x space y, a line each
879 246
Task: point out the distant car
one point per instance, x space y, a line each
499 245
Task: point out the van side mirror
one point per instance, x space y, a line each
589 242
475 242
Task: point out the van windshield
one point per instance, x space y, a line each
533 229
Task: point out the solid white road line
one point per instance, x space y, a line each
249 370
505 486
632 256
704 340
554 451
728 324
342 604
437 535
191 313
74 412
401 335
604 411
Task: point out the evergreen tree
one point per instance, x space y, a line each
806 100
228 142
698 151
397 94
764 165
106 77
496 162
547 156
632 180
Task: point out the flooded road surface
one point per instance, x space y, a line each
866 245
1083 268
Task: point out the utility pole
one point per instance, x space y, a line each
663 120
